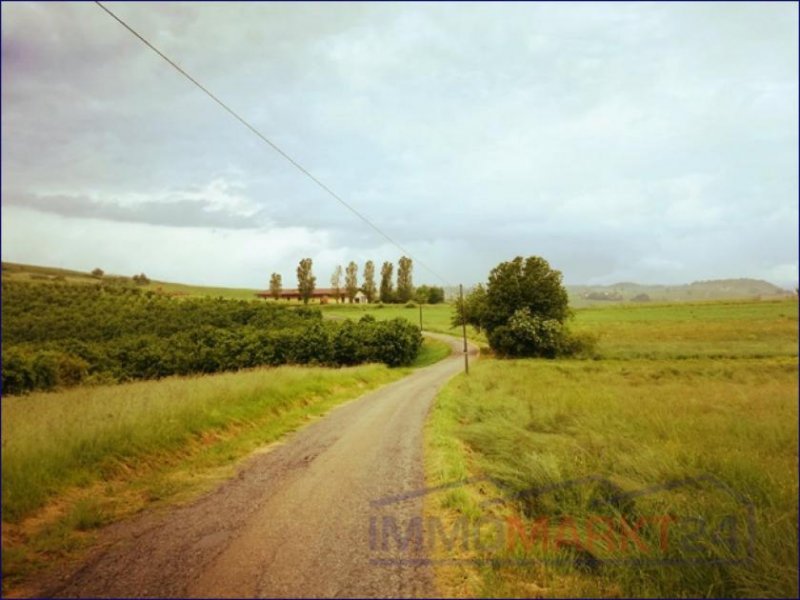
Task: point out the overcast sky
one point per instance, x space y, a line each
652 142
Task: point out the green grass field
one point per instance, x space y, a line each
704 329
435 317
681 391
77 459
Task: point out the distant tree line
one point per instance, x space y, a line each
345 284
62 335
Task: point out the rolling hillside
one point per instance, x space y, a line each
20 272
716 289
579 295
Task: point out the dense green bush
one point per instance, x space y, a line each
523 309
59 336
395 342
527 334
427 294
25 370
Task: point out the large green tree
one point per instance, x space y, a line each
523 310
405 283
351 280
306 282
387 287
525 282
275 285
369 281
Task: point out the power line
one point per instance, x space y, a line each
266 140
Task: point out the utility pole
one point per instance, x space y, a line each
464 328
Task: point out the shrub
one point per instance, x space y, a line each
18 375
26 370
313 346
529 335
348 344
426 294
393 343
64 335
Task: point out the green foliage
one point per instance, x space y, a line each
60 335
306 282
369 287
141 279
405 284
474 306
531 335
394 343
520 283
275 285
426 294
523 309
387 287
25 369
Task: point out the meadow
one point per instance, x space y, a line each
700 398
673 393
435 317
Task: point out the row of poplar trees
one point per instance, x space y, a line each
344 281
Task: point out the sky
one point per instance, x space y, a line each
652 142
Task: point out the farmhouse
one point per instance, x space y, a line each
321 295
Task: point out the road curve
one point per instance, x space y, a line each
296 521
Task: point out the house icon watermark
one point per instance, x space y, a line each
613 527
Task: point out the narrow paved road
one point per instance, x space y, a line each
296 520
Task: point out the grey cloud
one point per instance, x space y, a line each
612 138
176 213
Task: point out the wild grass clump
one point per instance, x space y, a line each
55 440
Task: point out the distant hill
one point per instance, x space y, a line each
716 289
579 295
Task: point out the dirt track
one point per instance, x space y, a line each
295 522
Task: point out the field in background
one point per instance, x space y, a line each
743 328
78 459
753 328
682 391
435 317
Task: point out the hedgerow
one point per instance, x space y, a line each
58 336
